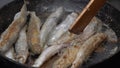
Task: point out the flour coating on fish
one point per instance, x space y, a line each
67 58
87 49
70 53
62 27
21 47
48 53
9 36
50 24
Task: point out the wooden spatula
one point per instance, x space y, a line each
86 15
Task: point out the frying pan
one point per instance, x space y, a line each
108 14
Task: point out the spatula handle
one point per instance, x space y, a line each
86 15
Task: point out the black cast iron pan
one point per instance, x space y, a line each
108 14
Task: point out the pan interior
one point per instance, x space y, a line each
44 7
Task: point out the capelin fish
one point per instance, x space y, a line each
49 62
62 27
10 35
21 47
87 49
70 53
67 58
90 30
10 53
33 34
66 38
48 53
50 24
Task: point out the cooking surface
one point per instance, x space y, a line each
113 25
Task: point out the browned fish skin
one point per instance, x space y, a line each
48 53
10 35
21 47
87 48
67 58
71 52
33 33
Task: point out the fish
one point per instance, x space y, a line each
21 47
62 27
88 48
48 53
33 34
66 59
50 24
10 54
65 38
49 63
70 53
10 35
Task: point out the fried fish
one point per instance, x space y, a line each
33 34
21 47
50 24
10 35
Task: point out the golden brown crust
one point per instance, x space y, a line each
11 34
87 48
67 58
33 34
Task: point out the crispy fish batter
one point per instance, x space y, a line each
21 47
33 34
50 24
87 48
48 53
10 35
